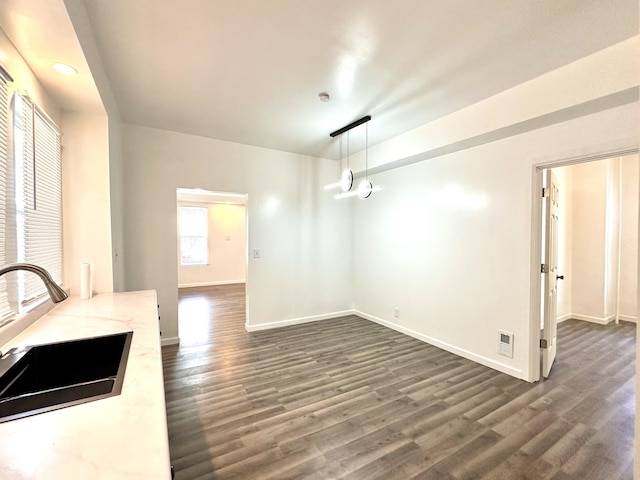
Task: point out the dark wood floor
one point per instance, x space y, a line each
347 398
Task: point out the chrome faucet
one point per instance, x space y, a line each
55 292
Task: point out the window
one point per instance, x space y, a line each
38 198
30 199
193 226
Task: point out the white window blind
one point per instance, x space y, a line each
38 197
6 313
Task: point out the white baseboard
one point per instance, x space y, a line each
564 317
297 321
169 341
589 318
210 284
598 320
501 367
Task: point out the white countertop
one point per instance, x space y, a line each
121 437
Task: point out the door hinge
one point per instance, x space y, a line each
544 268
543 343
545 192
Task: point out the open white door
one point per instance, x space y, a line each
550 274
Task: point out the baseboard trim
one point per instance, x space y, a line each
599 320
297 321
488 362
562 318
589 318
210 284
164 342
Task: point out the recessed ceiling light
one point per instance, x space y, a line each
64 69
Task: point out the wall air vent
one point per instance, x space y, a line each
505 343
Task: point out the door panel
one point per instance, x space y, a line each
550 275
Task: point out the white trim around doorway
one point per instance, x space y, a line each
536 246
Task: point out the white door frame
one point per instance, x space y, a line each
246 247
536 247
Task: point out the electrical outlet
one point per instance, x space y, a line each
396 312
256 253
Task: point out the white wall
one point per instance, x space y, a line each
596 222
457 273
302 232
448 240
565 240
85 199
227 247
24 79
82 26
116 206
589 221
629 247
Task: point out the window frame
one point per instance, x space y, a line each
7 310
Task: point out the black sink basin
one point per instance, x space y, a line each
56 375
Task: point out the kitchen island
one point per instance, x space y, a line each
121 437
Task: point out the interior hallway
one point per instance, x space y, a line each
348 398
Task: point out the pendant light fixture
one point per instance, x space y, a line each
365 188
346 180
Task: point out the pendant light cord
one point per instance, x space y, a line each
366 152
347 150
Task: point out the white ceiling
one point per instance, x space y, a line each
43 34
250 71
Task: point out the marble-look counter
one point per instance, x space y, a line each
121 437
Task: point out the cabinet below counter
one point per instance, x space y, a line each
121 437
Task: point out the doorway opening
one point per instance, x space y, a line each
596 243
212 257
